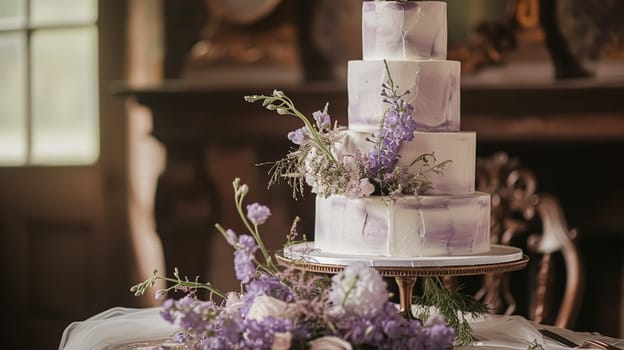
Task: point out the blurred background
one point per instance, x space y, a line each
122 126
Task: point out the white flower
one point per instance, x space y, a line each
310 179
350 165
316 165
233 303
264 306
353 188
358 290
329 343
281 341
366 188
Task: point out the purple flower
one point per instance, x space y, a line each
192 320
247 243
299 136
392 117
398 126
393 328
322 119
243 266
168 311
267 285
260 334
186 302
257 213
243 258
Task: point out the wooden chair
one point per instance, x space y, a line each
535 222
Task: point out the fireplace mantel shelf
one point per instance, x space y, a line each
568 110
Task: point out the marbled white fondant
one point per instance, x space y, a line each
406 226
404 30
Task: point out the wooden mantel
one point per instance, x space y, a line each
562 111
570 133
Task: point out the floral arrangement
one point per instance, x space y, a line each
290 309
314 159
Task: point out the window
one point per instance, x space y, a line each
49 88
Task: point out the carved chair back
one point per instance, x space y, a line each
535 222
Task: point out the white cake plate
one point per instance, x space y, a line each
406 270
305 252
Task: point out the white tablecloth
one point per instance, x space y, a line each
124 328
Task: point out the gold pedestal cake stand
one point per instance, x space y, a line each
405 270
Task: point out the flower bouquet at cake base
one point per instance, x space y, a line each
279 308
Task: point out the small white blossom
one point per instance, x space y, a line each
366 188
233 303
350 165
264 306
353 188
358 290
329 343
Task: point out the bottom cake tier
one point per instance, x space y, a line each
405 226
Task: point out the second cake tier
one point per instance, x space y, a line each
433 87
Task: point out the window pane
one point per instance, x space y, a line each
64 96
11 13
12 99
62 11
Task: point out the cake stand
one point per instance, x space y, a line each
405 270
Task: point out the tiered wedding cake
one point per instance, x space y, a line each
408 40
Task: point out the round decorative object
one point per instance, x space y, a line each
247 42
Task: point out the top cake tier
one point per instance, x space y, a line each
404 30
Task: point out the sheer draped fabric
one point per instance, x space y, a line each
116 326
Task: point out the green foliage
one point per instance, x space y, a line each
455 306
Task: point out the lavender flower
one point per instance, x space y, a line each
299 136
266 284
186 302
243 258
258 214
322 119
398 126
261 334
168 311
192 320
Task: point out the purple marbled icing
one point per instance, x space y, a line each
404 30
408 226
